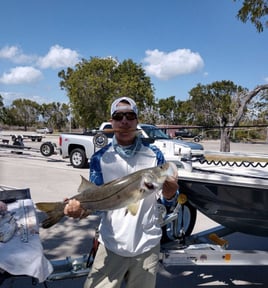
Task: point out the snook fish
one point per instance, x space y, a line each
122 192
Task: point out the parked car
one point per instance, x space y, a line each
44 130
184 133
157 134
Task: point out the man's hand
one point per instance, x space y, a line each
170 186
73 209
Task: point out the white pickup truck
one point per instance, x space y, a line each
80 147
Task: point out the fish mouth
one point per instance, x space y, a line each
149 185
153 180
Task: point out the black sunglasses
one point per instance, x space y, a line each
118 116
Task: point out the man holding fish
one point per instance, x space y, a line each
129 236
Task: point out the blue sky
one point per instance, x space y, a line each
179 43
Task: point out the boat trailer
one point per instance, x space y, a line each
46 149
204 248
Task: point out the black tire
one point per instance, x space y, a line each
78 158
196 139
47 149
171 231
188 208
179 138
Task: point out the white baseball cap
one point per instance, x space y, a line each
132 105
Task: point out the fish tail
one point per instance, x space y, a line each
54 211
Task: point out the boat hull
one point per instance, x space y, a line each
239 206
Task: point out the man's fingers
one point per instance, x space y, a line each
73 208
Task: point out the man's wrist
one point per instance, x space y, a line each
175 195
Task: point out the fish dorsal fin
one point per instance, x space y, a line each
85 185
133 208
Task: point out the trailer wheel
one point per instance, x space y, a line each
186 218
78 158
47 149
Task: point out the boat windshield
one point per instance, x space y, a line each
154 132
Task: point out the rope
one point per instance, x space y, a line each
232 164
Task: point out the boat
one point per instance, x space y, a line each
235 196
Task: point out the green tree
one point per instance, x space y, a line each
2 110
211 103
89 87
24 112
130 80
170 111
55 115
255 11
222 104
167 110
185 113
94 84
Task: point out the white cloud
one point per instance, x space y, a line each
15 55
9 52
58 57
164 65
19 75
9 97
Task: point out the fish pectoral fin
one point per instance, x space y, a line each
133 208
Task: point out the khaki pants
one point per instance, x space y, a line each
109 270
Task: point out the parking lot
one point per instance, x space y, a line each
53 179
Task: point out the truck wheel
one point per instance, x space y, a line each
47 149
196 139
78 158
